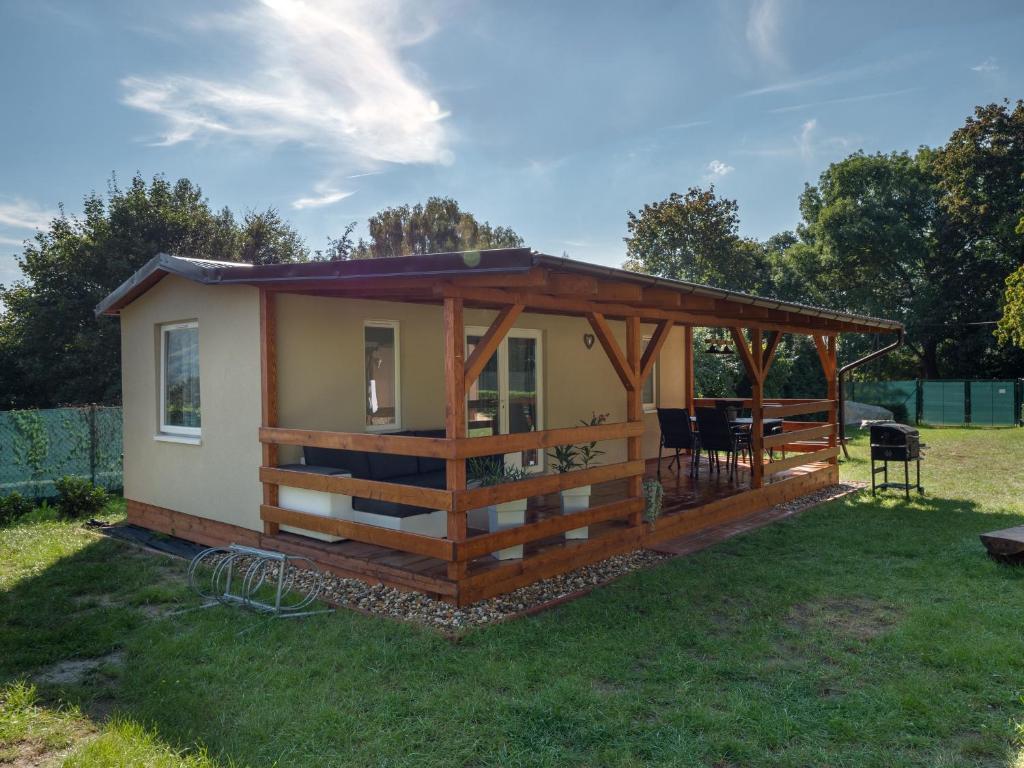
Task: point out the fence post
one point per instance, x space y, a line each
967 401
919 405
92 443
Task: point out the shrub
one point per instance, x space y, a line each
78 498
13 506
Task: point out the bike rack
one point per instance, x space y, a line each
235 575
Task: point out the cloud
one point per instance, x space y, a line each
806 141
24 214
683 126
806 144
12 240
988 65
322 74
831 78
717 169
843 100
325 195
763 27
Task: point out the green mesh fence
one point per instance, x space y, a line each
994 403
900 397
38 447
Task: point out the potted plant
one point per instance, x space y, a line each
485 473
567 458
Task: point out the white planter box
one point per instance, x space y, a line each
334 505
576 500
509 514
433 524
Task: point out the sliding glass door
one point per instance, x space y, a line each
507 398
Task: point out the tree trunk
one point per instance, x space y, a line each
930 359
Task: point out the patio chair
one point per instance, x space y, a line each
717 435
733 412
677 433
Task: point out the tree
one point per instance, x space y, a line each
437 226
694 237
52 348
265 238
1011 325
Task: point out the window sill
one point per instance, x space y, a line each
162 437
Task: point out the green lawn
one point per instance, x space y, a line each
863 633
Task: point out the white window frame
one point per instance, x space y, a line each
503 385
395 326
652 406
173 429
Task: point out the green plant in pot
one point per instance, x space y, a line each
568 458
489 472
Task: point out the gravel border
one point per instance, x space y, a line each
389 602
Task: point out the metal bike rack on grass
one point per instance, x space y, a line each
235 575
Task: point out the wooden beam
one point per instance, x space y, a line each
634 413
654 346
571 284
455 420
757 410
403 541
490 342
477 546
470 447
405 445
797 409
749 363
268 391
774 337
428 498
799 435
782 465
690 375
611 347
539 485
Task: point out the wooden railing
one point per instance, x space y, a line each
457 501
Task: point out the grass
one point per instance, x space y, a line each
862 633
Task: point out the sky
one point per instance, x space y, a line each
554 118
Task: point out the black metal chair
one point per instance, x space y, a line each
677 433
733 412
717 435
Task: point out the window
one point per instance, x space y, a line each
380 346
180 413
649 393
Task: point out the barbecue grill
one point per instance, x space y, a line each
895 442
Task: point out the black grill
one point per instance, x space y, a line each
895 442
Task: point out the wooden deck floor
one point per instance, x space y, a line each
351 558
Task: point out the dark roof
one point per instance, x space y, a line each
435 265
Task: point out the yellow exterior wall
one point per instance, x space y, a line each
320 385
320 367
219 477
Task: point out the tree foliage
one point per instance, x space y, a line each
694 237
437 226
52 348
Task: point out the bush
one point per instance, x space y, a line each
78 498
12 507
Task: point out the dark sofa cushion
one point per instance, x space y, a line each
422 479
427 464
354 461
313 468
384 466
388 508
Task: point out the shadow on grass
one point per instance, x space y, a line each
730 655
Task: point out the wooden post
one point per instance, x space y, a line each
634 410
268 393
827 354
757 411
689 372
833 395
455 419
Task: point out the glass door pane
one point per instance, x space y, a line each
523 392
483 400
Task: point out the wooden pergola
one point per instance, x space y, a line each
517 281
